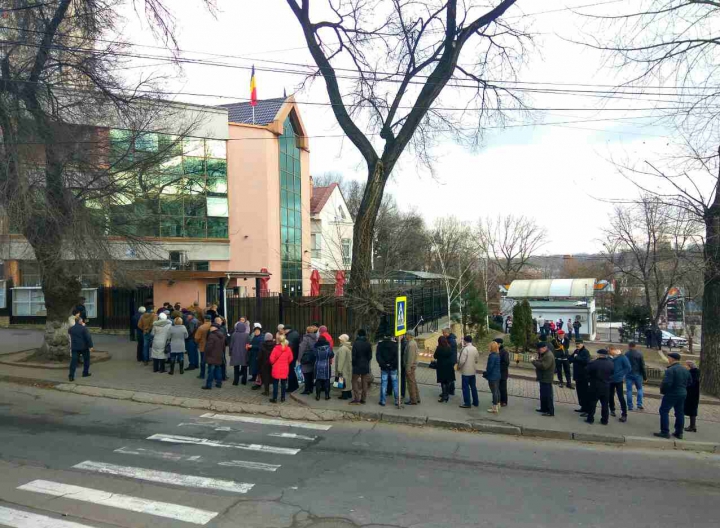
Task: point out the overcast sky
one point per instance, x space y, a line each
557 174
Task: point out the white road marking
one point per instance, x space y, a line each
123 502
165 455
292 435
23 519
214 443
210 425
165 477
266 421
250 465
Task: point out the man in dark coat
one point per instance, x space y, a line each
361 358
452 341
504 372
674 390
137 332
80 344
293 339
658 338
580 359
386 356
545 367
600 373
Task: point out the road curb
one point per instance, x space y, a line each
325 415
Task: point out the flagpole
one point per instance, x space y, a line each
253 108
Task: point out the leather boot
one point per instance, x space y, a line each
182 366
172 368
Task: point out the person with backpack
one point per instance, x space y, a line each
307 358
323 372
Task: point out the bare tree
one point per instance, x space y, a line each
65 185
653 247
402 54
674 44
510 242
455 255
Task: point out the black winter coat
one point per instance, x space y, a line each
600 373
361 356
445 365
80 337
580 360
386 355
693 393
504 363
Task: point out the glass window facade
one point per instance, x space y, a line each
184 195
290 212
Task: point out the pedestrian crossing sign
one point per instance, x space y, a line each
400 316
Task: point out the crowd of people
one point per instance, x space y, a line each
287 359
612 374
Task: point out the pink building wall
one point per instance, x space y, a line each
185 292
254 203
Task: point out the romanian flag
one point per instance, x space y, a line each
253 89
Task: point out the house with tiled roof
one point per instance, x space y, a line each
331 232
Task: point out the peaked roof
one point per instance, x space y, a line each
320 196
266 111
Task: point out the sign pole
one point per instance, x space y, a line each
400 330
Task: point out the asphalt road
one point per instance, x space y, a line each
68 461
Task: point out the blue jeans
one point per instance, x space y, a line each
672 402
469 386
74 362
147 343
577 333
384 384
283 388
177 357
214 371
192 352
636 381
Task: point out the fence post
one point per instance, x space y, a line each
281 309
100 307
133 308
258 299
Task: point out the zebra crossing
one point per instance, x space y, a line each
176 473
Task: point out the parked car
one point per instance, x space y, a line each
671 340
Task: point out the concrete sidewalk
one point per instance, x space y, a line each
124 378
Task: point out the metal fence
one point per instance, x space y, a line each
426 306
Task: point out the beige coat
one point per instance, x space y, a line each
468 360
411 355
343 363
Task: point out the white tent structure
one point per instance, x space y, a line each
553 299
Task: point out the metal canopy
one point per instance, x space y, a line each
550 288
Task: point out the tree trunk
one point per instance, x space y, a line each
710 346
367 308
61 289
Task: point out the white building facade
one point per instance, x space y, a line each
331 232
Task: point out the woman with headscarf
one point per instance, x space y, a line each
323 332
692 400
445 368
161 334
264 362
323 356
343 368
239 351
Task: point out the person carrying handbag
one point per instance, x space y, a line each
343 367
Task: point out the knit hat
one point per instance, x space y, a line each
257 325
323 329
269 337
163 316
142 309
344 338
540 344
674 355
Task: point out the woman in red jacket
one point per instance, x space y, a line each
280 360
